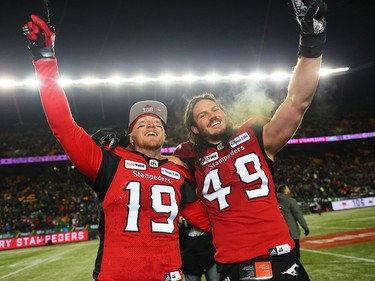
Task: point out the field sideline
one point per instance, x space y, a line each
74 262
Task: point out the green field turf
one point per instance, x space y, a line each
74 262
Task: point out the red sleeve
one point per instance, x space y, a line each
81 149
185 150
196 214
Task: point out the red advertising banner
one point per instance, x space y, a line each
43 239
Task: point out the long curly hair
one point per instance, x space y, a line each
196 139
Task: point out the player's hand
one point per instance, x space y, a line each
111 137
311 17
40 38
307 231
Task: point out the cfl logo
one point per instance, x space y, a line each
153 163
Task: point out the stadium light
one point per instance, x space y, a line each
166 78
280 75
327 71
10 84
115 80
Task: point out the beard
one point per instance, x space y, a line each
222 136
148 144
152 146
201 142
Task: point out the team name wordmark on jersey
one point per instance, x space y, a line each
216 162
150 177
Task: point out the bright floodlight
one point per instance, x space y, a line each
280 75
115 80
189 78
327 71
10 84
167 78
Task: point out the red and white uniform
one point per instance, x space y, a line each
141 197
236 185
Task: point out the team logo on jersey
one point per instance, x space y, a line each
240 139
135 165
170 173
153 163
209 158
291 271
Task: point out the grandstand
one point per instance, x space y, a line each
44 196
52 196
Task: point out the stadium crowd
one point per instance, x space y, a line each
43 196
55 197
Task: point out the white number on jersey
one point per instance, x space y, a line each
157 191
220 193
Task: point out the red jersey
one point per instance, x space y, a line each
141 196
236 184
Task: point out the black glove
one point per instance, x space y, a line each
111 137
310 15
40 38
307 231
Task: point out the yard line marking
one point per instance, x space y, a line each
36 262
21 250
336 255
338 227
39 261
362 219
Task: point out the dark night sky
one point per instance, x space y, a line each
151 37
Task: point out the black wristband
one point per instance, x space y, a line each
311 46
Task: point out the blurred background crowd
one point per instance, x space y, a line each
39 196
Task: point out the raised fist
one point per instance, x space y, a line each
40 38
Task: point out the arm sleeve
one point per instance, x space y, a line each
196 214
297 213
81 149
187 154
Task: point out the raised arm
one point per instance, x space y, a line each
304 81
79 146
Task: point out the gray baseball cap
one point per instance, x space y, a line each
148 107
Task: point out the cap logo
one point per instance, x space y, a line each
148 109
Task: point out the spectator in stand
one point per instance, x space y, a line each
292 214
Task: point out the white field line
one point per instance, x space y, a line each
19 251
337 255
369 218
362 219
40 261
35 263
338 227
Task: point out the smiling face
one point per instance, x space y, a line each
210 121
147 133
